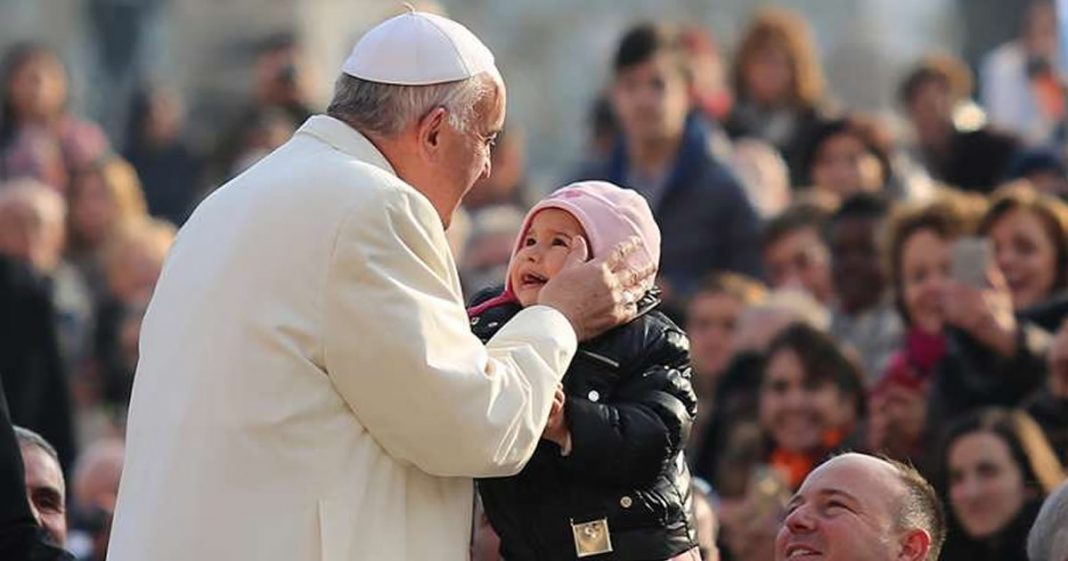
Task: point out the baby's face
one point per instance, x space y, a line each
543 252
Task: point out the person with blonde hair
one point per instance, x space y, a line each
779 85
133 257
102 197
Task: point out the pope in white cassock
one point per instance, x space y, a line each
308 387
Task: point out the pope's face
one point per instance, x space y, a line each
466 153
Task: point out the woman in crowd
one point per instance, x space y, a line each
737 392
997 467
997 336
39 137
778 84
811 401
919 240
102 198
1029 233
847 156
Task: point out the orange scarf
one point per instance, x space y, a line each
795 466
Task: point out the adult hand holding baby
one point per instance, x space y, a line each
597 294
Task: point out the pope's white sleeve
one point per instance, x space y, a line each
399 349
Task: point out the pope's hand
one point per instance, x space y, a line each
599 294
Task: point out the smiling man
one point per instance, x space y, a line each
861 508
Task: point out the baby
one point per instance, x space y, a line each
608 480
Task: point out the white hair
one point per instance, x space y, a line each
27 437
386 109
44 200
1048 540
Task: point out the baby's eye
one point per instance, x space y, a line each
561 241
528 242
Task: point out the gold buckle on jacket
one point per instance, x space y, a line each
591 538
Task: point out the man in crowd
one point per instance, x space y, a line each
666 153
856 507
795 253
32 508
308 384
45 486
863 315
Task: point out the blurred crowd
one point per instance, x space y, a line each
817 257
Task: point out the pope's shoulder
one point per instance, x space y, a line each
318 172
360 177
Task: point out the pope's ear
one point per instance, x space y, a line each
430 128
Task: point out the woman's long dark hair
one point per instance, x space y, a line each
1033 456
1028 446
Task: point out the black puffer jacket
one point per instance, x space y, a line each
629 407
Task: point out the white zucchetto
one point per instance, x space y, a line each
418 49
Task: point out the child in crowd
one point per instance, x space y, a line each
609 474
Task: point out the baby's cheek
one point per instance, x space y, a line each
555 263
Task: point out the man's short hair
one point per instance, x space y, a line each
797 216
1048 540
945 69
27 437
920 507
742 288
645 41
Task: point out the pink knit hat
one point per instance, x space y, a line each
608 214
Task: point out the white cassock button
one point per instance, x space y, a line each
625 502
593 395
492 324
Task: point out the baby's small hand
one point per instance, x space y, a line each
556 427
